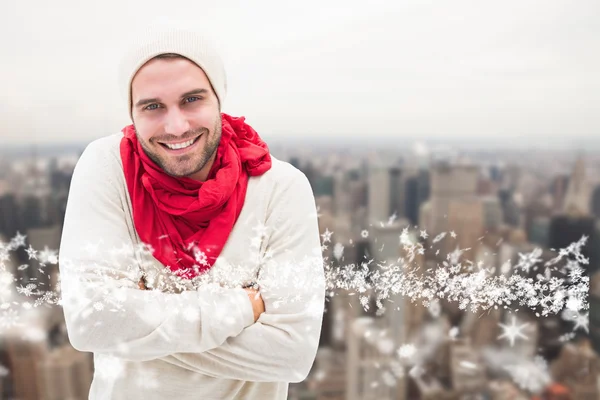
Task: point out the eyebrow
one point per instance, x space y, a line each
144 102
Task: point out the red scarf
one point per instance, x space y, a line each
187 222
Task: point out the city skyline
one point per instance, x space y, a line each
420 344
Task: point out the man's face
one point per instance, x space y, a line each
176 116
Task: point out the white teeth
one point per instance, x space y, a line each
180 145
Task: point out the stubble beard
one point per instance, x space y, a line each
187 164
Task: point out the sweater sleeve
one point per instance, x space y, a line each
282 345
104 309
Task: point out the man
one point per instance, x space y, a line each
190 257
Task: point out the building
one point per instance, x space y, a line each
416 193
42 239
578 367
466 220
386 194
466 368
66 374
558 190
539 231
10 221
595 202
577 197
328 382
492 213
367 375
449 183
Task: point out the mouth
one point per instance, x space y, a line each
182 147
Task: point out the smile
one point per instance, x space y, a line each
179 146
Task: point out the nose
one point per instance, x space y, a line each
176 123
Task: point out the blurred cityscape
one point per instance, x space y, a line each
496 203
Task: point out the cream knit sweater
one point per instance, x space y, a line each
191 339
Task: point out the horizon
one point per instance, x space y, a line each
491 144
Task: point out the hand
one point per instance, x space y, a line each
142 284
258 305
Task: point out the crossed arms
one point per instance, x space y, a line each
212 330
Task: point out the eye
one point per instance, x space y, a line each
151 107
192 98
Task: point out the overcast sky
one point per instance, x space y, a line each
402 69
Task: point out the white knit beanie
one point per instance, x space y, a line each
186 42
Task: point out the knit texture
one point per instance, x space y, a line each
186 42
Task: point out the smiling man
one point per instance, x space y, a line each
190 258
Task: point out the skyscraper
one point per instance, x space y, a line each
386 194
558 189
9 215
466 220
65 374
595 206
368 373
577 197
416 193
449 183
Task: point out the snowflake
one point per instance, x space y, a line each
471 285
574 304
512 331
27 290
506 268
200 257
527 261
9 318
407 351
453 333
439 237
326 236
392 218
435 309
582 321
48 256
575 273
338 251
6 278
364 301
532 376
17 241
